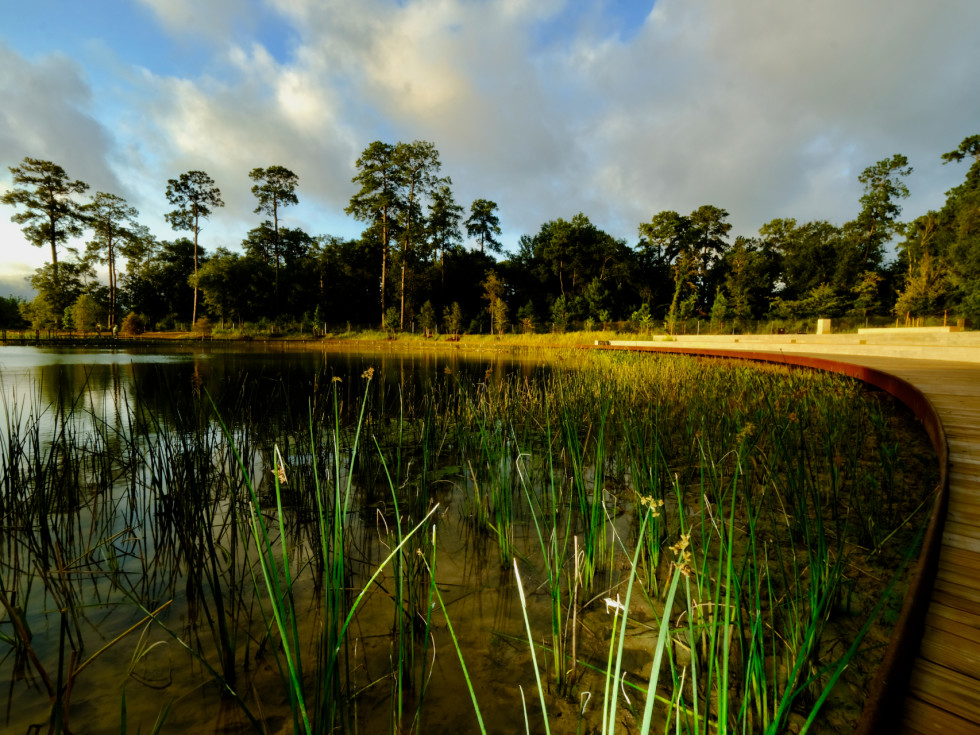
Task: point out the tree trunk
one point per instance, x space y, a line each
54 253
384 268
275 229
384 259
112 287
194 311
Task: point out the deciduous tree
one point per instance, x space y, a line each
85 313
74 277
452 319
575 252
494 292
10 316
233 284
699 237
427 318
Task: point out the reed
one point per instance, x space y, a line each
721 510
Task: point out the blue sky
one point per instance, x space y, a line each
616 108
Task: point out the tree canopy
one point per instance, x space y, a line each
678 268
195 196
51 214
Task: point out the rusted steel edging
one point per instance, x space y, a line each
881 713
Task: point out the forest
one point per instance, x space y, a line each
425 262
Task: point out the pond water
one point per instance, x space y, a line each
230 539
110 382
98 401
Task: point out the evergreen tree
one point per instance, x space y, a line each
484 225
195 196
445 216
877 222
418 164
378 200
275 188
50 215
112 221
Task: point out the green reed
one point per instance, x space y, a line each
728 505
754 617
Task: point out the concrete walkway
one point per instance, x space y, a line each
943 690
954 346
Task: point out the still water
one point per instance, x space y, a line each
276 539
115 464
109 382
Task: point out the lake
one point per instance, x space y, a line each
271 538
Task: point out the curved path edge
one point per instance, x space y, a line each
881 711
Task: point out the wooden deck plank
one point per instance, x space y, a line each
965 488
939 613
960 541
964 456
941 700
944 693
955 528
965 485
966 514
922 718
959 574
946 690
950 596
969 632
952 651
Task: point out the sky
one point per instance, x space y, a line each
616 108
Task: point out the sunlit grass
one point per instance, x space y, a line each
717 511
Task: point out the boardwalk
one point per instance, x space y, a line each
944 689
943 692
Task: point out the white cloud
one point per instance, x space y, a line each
719 102
46 114
767 108
213 18
14 276
261 113
709 102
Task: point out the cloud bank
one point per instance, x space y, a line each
763 107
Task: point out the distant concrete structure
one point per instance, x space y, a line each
909 330
825 326
916 343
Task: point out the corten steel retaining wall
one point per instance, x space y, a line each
881 713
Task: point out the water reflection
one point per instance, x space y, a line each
43 383
123 502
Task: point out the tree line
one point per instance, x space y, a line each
412 267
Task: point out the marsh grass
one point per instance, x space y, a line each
739 525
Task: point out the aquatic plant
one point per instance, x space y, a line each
719 512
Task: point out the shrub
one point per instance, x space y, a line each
133 324
203 326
